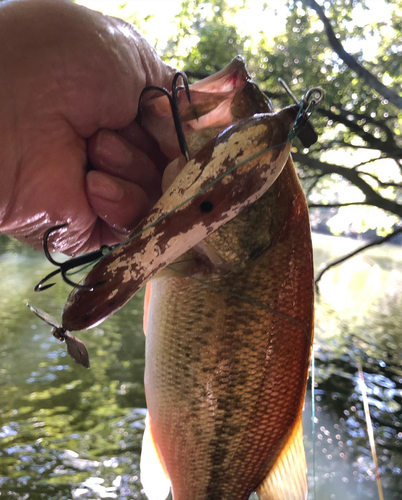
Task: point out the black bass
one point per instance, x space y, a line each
229 323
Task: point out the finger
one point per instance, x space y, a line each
138 137
111 154
119 203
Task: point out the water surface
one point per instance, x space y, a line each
70 433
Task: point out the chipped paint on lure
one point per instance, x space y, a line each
176 226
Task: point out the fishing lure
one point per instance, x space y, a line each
230 172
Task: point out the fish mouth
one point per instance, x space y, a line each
216 102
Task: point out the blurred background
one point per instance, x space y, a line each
68 433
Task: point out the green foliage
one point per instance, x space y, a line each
205 38
356 121
305 59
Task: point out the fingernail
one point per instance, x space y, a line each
104 186
112 149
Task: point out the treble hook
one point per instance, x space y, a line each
302 127
174 107
64 267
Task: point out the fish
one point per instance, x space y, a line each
227 359
228 307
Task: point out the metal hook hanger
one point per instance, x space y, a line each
312 97
303 128
288 91
64 267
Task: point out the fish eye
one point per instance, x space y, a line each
206 207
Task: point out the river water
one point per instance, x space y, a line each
70 433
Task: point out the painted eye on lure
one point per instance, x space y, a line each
75 347
206 206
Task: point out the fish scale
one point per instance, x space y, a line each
225 379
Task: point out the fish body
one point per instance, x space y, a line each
227 357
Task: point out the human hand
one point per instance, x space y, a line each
70 82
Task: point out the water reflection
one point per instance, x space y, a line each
358 322
70 433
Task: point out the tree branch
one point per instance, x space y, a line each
337 205
381 183
380 123
389 146
348 59
344 144
316 179
372 197
325 146
371 160
348 256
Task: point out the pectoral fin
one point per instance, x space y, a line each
154 479
287 479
